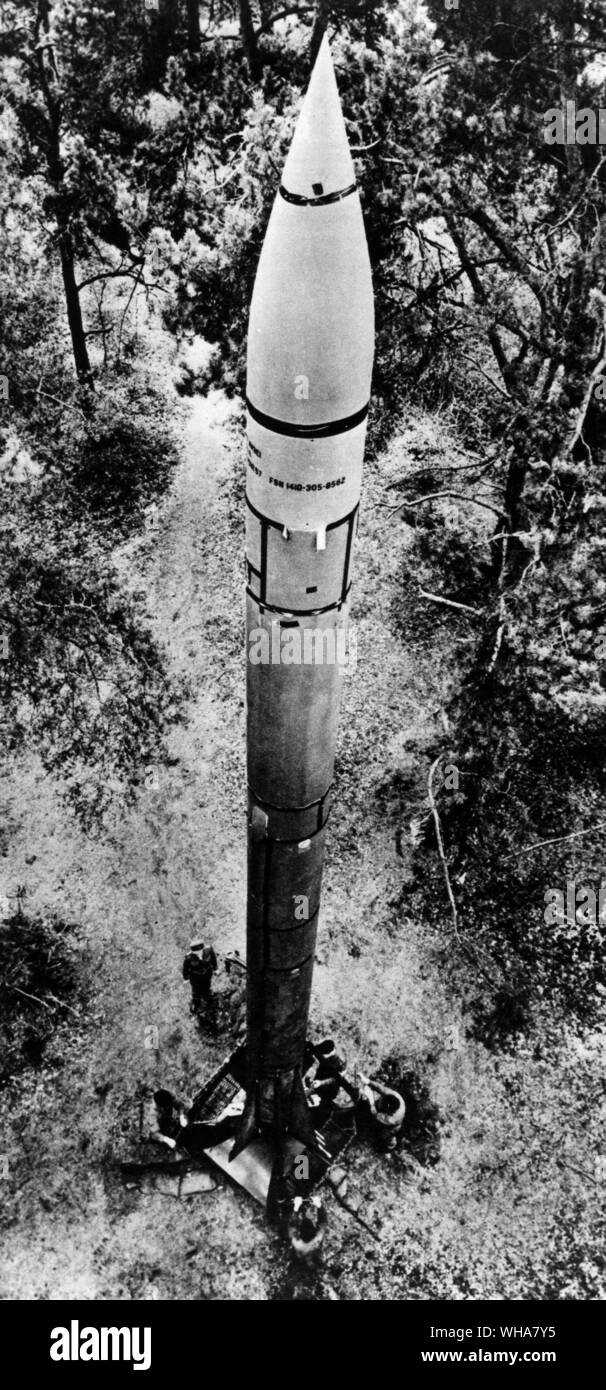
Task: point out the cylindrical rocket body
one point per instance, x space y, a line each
310 350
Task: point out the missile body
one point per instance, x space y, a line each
310 349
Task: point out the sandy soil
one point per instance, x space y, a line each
506 1212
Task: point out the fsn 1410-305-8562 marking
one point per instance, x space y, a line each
306 487
297 487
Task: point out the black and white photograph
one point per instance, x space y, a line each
303 664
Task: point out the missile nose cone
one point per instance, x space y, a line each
319 162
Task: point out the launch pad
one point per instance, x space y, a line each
224 1096
276 1170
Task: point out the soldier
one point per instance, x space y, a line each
326 1084
330 1064
234 958
306 1228
171 1119
385 1110
199 967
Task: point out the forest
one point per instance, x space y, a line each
462 936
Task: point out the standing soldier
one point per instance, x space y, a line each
199 967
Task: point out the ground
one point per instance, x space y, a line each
512 1208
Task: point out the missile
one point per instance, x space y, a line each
309 365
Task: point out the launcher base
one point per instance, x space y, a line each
252 1169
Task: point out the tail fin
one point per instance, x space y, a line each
300 1124
247 1126
293 1118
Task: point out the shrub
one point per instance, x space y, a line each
37 978
121 454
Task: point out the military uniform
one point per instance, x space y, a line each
199 967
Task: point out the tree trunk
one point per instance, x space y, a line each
568 66
506 369
160 40
321 18
52 98
193 26
249 41
74 311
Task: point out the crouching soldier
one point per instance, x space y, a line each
199 967
306 1228
385 1110
164 1119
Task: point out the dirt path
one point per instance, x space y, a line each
178 859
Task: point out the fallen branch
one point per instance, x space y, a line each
558 840
34 997
561 1162
451 603
440 842
469 952
66 405
363 149
61 1004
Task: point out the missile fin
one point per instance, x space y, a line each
300 1126
247 1127
277 1192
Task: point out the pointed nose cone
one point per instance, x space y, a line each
319 161
310 336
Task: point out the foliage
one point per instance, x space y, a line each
523 781
38 979
119 454
82 679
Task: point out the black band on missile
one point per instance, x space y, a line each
351 521
263 605
320 200
263 575
290 969
292 824
303 833
308 806
324 431
288 932
299 839
279 525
